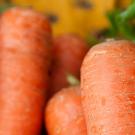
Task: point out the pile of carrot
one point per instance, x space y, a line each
69 51
35 91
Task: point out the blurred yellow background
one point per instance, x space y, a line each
81 17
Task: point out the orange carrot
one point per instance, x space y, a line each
24 63
64 115
68 53
108 88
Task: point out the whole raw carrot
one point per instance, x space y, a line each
64 115
108 88
68 52
24 63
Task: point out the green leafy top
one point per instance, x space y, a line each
122 23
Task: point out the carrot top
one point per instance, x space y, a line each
122 24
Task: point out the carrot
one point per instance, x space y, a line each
108 88
24 63
69 51
64 115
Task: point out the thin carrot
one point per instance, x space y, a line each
108 88
64 115
68 53
24 63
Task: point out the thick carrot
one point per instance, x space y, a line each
68 53
24 63
108 88
64 115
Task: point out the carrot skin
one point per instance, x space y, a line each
68 52
108 88
24 60
63 115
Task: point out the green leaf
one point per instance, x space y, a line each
113 30
124 22
121 23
